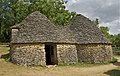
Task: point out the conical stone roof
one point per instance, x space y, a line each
85 31
37 28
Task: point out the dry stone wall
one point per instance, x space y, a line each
34 54
28 54
94 53
66 53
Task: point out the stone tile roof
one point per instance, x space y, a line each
37 28
85 31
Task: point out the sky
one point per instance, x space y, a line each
107 11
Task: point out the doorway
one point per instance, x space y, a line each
51 54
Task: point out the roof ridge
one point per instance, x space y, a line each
86 18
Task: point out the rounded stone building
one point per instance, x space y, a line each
37 41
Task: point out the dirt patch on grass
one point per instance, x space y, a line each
9 69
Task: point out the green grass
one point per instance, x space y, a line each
4 49
117 56
116 48
118 68
114 59
113 72
81 64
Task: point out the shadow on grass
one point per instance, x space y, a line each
114 72
5 56
116 63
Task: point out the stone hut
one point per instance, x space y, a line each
37 41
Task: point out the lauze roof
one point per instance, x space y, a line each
37 28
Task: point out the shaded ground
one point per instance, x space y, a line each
9 69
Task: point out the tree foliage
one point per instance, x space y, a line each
20 11
96 22
105 31
115 39
53 9
6 19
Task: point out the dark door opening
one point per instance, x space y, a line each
50 54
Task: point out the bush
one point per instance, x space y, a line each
116 49
114 60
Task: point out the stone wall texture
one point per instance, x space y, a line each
34 54
66 53
28 54
94 53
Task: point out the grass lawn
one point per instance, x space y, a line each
81 64
4 49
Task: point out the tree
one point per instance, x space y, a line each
117 40
96 22
105 31
6 18
53 9
20 11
